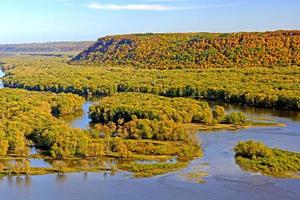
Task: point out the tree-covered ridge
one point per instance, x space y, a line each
275 87
256 156
195 50
29 116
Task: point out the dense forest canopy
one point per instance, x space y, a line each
147 116
195 50
30 116
147 106
274 87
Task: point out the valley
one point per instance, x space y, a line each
80 122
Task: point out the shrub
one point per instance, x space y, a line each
236 118
219 113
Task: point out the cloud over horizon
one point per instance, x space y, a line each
154 7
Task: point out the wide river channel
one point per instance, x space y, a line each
224 180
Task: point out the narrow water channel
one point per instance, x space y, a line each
1 76
224 180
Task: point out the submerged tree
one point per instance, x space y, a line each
26 167
60 167
84 165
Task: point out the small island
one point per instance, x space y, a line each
257 157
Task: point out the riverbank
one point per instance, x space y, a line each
223 178
161 163
217 165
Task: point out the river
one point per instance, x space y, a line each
225 180
1 75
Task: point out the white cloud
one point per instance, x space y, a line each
153 7
141 7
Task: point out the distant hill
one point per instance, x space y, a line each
195 50
44 47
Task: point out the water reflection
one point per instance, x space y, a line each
81 118
253 111
19 181
61 178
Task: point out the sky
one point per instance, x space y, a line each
24 21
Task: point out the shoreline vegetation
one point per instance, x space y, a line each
257 157
154 86
127 126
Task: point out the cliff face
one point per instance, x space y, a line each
195 50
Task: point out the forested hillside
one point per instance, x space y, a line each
45 47
195 50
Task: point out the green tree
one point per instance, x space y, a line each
236 118
26 167
219 113
3 147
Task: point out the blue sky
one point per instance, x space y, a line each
65 20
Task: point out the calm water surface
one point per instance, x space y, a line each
225 179
1 75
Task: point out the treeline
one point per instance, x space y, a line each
276 87
141 138
125 107
27 117
45 47
256 156
195 50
